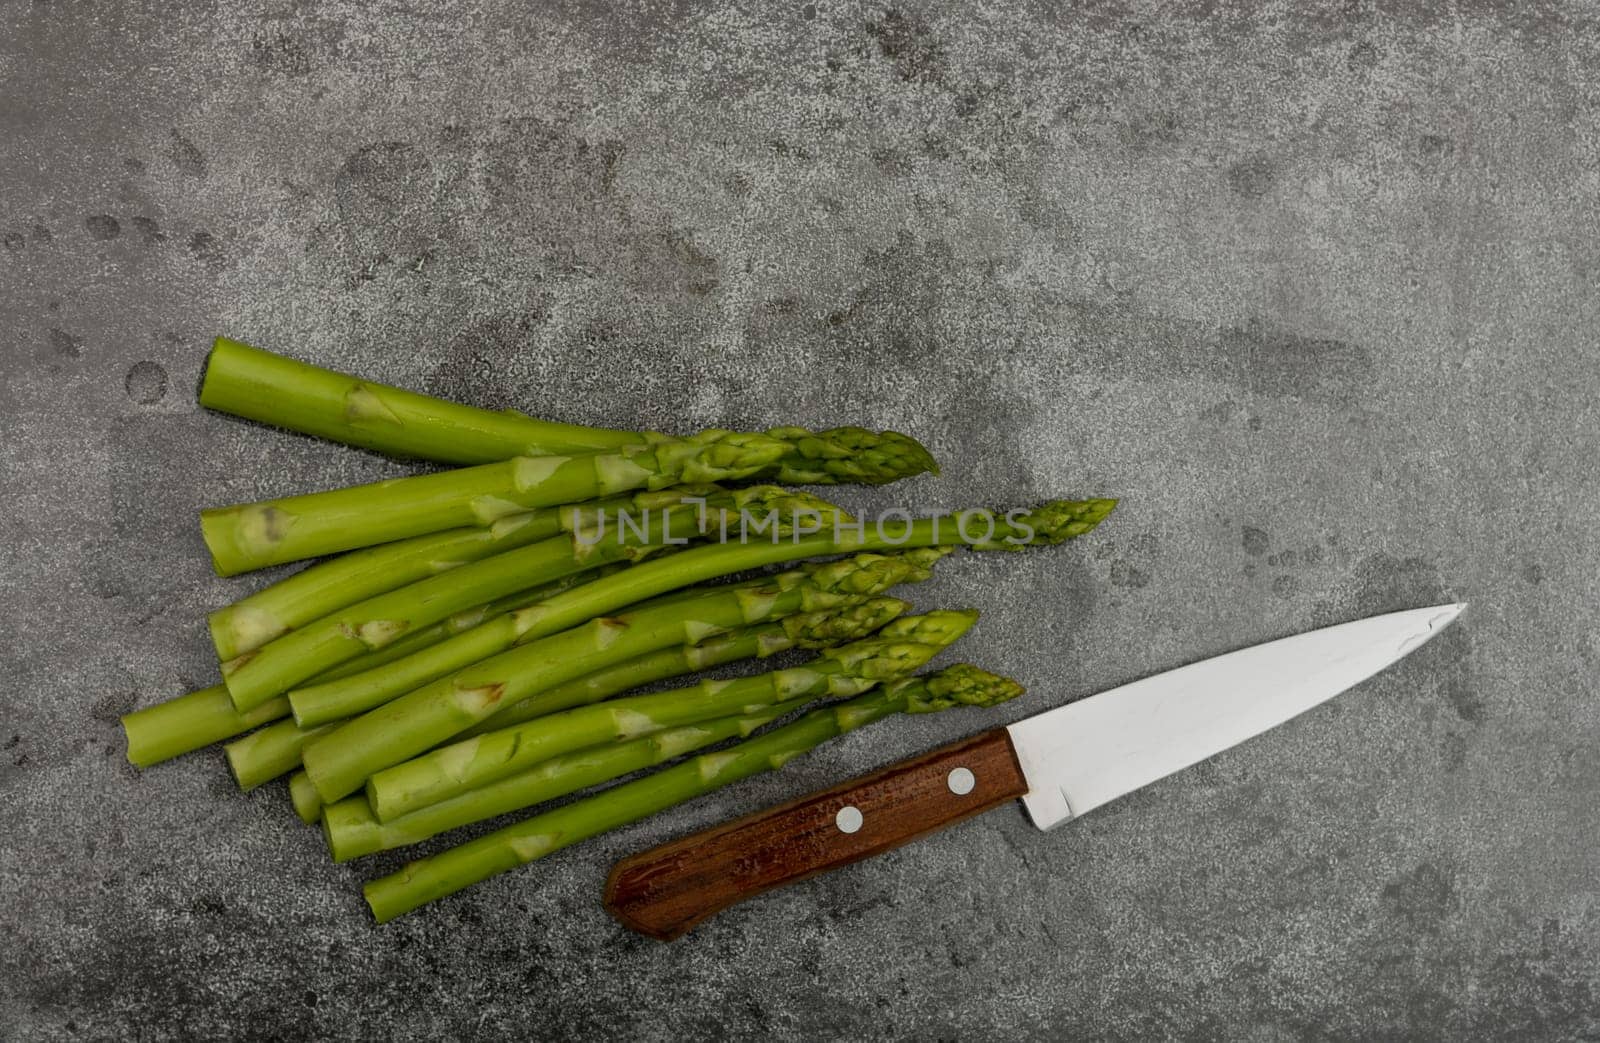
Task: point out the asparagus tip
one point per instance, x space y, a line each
960 685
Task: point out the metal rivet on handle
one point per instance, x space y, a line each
848 819
961 781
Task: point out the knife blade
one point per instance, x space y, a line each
1060 763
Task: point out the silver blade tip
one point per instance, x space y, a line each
1433 620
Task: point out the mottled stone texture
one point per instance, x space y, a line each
1313 290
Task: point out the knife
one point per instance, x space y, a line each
1060 764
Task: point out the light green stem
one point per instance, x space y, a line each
251 383
307 803
270 532
352 830
197 719
756 642
269 752
281 664
190 722
276 390
328 586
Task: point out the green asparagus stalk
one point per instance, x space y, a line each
754 642
349 696
276 750
328 586
190 722
429 879
899 649
301 654
248 382
427 716
272 389
197 719
809 630
340 763
352 830
269 752
271 532
307 803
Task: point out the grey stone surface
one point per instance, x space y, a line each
1314 292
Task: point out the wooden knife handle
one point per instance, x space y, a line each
669 889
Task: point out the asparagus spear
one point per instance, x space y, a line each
1050 523
303 795
275 750
190 722
270 532
349 696
328 586
755 642
340 763
428 879
197 719
301 654
256 384
901 648
352 830
259 385
269 752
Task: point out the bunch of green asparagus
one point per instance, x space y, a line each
476 647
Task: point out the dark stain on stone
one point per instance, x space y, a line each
14 241
905 40
1453 751
899 293
1127 576
12 742
385 194
1435 146
133 165
809 12
1149 130
1533 573
186 156
276 51
146 382
1256 541
1284 585
65 344
1118 341
1422 899
475 358
102 227
891 162
204 247
1252 178
1362 56
148 230
111 706
670 261
1279 363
